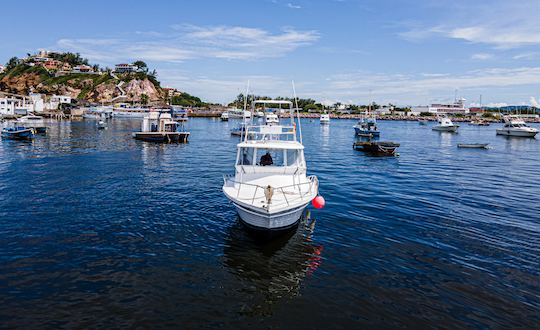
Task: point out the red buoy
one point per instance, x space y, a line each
318 202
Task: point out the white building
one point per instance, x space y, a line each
10 106
2 68
457 107
56 100
37 103
384 110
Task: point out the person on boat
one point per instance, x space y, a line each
266 159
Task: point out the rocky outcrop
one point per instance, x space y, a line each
93 89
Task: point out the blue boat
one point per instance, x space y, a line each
367 127
20 133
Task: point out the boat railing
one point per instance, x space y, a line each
312 182
270 132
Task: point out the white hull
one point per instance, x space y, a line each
128 114
518 133
324 122
263 220
452 129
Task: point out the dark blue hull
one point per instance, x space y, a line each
23 134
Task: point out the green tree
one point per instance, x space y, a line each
12 63
144 99
141 66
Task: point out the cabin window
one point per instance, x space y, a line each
246 156
268 157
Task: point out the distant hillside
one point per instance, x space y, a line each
70 74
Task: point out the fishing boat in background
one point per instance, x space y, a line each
101 124
18 133
224 116
325 119
35 122
271 119
99 112
270 188
259 114
367 127
159 127
445 125
238 113
379 148
516 126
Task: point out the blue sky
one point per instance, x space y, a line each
406 52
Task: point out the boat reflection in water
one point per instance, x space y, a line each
274 268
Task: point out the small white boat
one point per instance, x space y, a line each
325 119
271 119
259 114
473 145
445 125
101 124
515 126
35 122
270 188
224 116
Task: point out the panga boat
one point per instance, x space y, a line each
270 188
159 127
101 124
19 133
445 125
515 126
325 119
377 147
473 145
224 116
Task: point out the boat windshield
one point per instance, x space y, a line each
268 157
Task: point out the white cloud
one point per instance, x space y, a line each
525 56
187 42
501 24
482 56
534 102
293 6
401 88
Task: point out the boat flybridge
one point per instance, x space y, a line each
515 126
270 188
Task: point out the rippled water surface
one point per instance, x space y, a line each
98 229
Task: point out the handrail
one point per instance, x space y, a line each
311 178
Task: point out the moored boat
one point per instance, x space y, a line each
367 126
445 125
380 148
270 188
473 145
35 122
516 126
18 133
224 116
159 127
325 119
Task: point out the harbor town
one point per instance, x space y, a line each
270 165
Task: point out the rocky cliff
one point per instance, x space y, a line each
89 87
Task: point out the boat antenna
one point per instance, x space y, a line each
297 112
244 128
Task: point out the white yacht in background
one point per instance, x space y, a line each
238 113
515 126
325 119
259 114
445 125
224 116
270 188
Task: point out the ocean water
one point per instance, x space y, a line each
100 230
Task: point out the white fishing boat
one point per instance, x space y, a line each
259 114
179 114
271 119
516 126
445 125
270 187
238 113
224 116
35 122
325 119
101 124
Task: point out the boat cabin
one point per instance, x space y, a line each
159 122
